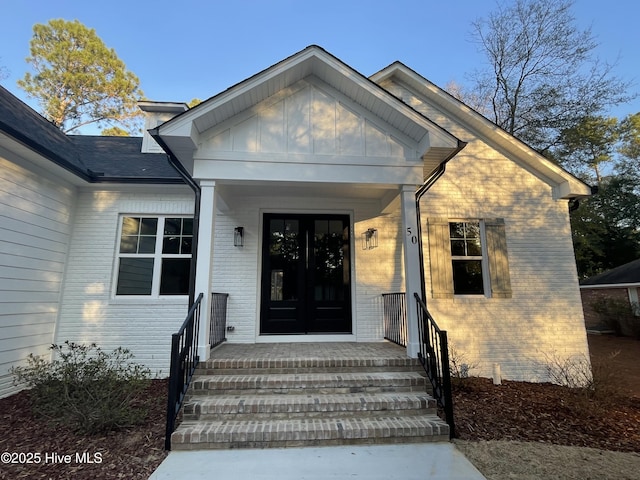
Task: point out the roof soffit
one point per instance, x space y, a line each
311 62
565 185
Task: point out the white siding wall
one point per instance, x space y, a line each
35 219
237 270
544 318
89 311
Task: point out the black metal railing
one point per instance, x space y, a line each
218 323
394 311
184 360
434 356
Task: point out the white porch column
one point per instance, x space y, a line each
411 265
204 269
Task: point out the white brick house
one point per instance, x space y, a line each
305 157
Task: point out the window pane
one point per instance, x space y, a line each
149 226
457 248
472 229
187 226
128 244
130 226
135 276
187 243
172 226
175 276
171 245
467 277
147 245
456 230
473 247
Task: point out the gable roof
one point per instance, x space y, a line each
624 275
181 133
565 184
91 159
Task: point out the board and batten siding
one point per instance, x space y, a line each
90 312
35 227
538 318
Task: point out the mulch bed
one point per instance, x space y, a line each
548 413
132 453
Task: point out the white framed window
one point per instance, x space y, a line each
154 256
468 257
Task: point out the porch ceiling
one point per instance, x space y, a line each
380 195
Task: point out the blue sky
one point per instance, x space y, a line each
194 49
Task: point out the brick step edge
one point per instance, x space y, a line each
296 405
299 432
208 370
303 381
310 363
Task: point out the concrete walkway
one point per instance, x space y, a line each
371 462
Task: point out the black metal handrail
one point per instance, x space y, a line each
395 317
218 324
434 356
184 360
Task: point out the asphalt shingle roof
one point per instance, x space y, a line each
624 274
21 122
92 158
120 157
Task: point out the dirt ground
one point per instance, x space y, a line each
626 362
515 431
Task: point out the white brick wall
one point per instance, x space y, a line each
89 311
544 317
237 270
35 218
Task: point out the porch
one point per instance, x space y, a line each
264 394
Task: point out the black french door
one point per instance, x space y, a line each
306 277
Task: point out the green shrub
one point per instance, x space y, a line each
86 388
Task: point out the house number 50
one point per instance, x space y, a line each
414 238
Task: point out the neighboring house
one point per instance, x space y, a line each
331 182
620 284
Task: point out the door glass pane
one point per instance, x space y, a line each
284 254
328 250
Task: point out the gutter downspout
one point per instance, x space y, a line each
188 179
419 193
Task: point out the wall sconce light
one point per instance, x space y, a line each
238 237
370 239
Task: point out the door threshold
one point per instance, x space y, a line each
310 338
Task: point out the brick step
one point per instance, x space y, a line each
308 432
304 405
360 382
222 366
